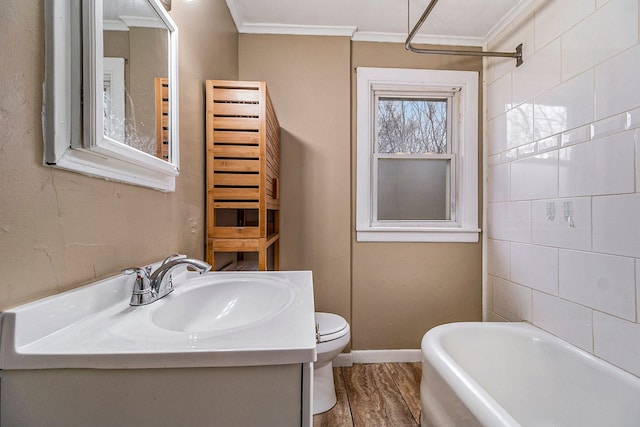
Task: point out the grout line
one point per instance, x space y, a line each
346 391
404 399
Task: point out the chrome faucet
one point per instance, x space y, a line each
150 287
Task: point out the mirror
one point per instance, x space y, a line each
135 65
110 101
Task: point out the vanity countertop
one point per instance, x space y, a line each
95 327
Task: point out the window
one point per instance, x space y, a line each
417 155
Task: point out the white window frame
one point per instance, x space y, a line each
464 180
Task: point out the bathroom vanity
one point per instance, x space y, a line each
227 349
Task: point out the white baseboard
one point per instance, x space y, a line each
377 356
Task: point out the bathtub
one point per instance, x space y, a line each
514 374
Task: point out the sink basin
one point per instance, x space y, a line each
223 306
216 319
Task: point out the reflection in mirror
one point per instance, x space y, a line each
113 102
134 35
111 82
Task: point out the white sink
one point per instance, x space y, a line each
216 319
223 305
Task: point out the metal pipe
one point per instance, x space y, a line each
517 55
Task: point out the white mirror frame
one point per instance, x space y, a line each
72 126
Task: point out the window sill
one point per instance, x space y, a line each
444 235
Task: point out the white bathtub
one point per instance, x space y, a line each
514 374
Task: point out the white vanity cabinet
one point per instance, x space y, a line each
230 396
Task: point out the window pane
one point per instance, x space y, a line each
414 189
412 126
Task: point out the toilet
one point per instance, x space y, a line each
332 336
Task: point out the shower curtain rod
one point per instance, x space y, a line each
517 55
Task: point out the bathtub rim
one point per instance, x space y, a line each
480 403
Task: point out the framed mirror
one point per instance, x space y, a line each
111 90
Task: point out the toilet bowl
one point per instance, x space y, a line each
332 336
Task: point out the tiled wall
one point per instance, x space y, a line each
563 186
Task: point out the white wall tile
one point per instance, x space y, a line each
637 290
616 224
511 301
610 125
510 221
564 107
535 266
577 135
556 17
571 322
498 256
604 282
492 316
617 341
498 182
488 297
497 134
588 43
535 177
496 68
509 156
500 101
601 166
556 230
617 83
548 143
520 125
527 150
637 134
537 74
634 118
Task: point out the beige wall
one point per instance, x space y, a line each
391 293
308 80
59 229
401 290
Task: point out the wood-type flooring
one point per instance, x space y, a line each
375 395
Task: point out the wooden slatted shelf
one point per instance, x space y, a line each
161 86
243 168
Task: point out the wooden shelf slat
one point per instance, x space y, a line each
233 165
236 151
235 137
238 179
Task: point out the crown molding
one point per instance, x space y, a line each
369 36
308 30
114 25
355 35
143 21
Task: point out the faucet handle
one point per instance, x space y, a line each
142 272
142 293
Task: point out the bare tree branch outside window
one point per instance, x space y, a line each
412 126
